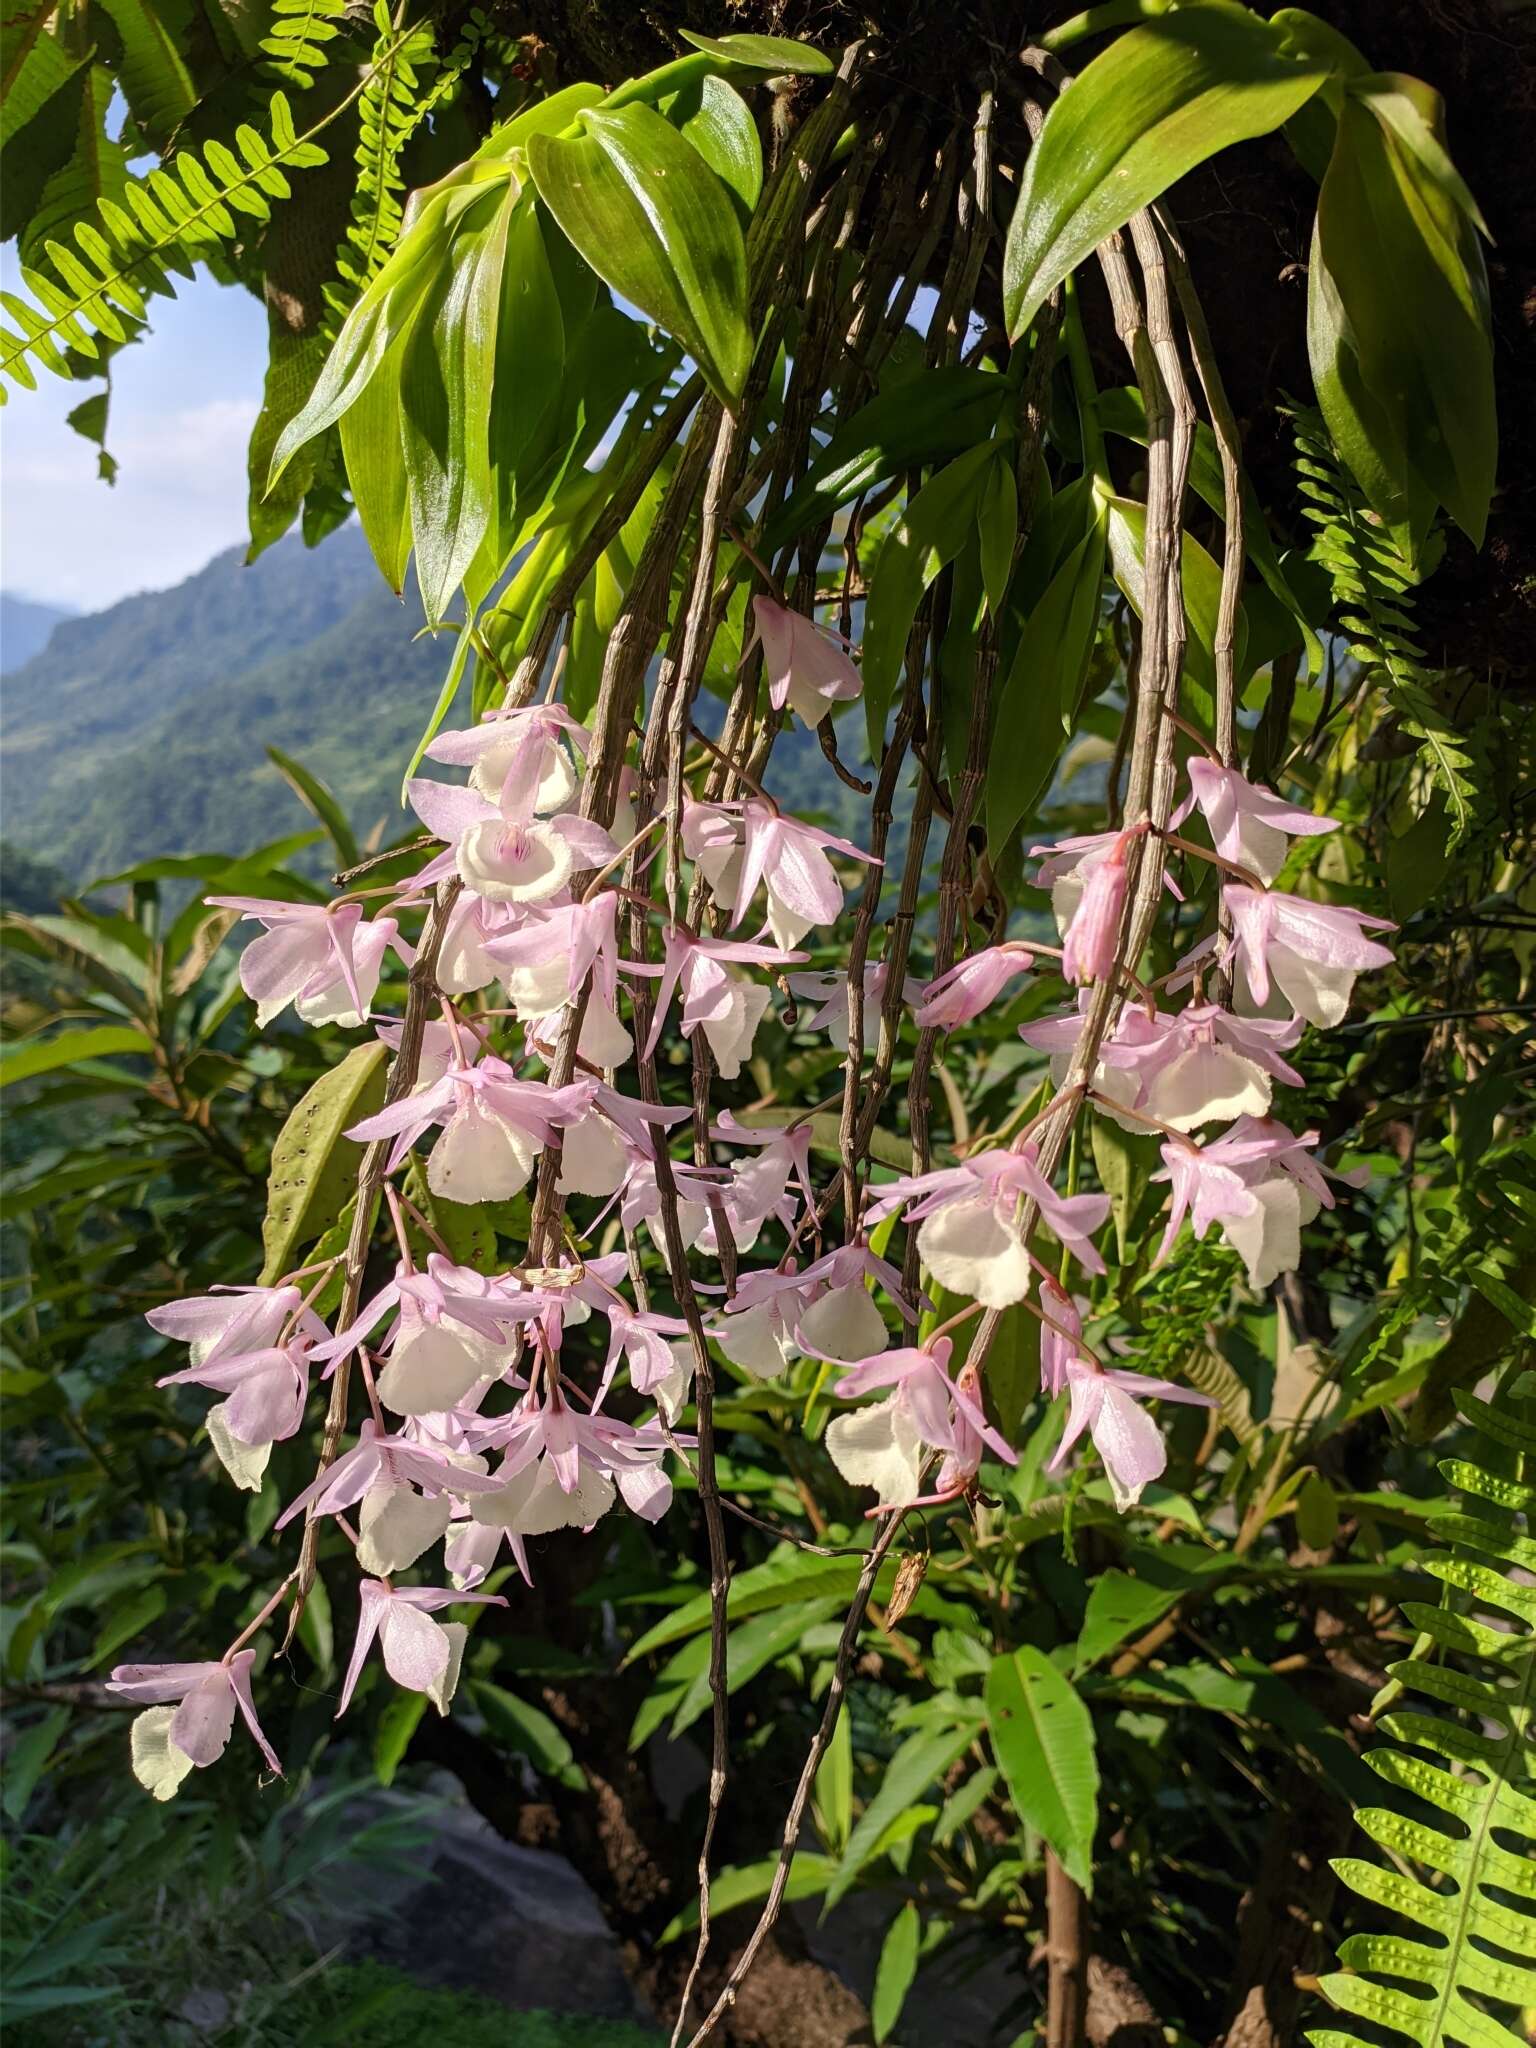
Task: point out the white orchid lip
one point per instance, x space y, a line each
523 863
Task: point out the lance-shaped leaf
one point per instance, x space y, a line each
896 1969
655 223
928 536
447 374
68 1049
1042 686
764 53
1162 98
939 412
314 1166
1043 1738
920 1762
1202 597
1406 266
718 122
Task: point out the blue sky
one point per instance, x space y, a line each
182 407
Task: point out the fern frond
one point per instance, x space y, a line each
296 46
1371 584
1469 1894
391 109
184 211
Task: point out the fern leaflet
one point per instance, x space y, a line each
391 110
187 209
295 47
1371 582
1473 1908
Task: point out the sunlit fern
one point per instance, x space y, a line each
1468 1890
296 45
391 109
166 221
1371 582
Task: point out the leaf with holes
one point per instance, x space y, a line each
1042 1735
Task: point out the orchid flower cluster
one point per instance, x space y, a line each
478 1435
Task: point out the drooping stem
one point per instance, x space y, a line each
422 996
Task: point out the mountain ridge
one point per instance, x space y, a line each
25 626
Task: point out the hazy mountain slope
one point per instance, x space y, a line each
142 730
24 629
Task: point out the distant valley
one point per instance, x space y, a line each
141 730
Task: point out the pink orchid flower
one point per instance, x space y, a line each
1092 936
970 1238
965 991
834 1014
790 859
1313 950
464 964
1203 1063
322 958
229 1321
1283 1187
166 1743
449 1334
1249 824
806 667
517 758
511 855
395 1460
1200 1187
727 1007
421 1654
883 1446
494 1126
1106 1403
569 941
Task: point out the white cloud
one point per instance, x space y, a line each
183 403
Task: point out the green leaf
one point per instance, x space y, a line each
1160 100
833 1790
314 795
921 1760
124 1620
997 522
656 224
26 1758
152 72
789 1580
1040 693
314 1167
764 53
1389 236
938 413
1317 1512
750 1648
527 1730
896 1969
1125 1165
928 536
66 1049
396 1724
1119 1606
446 381
1202 597
742 1884
1043 1738
719 124
1122 410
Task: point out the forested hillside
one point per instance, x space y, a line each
24 629
142 730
